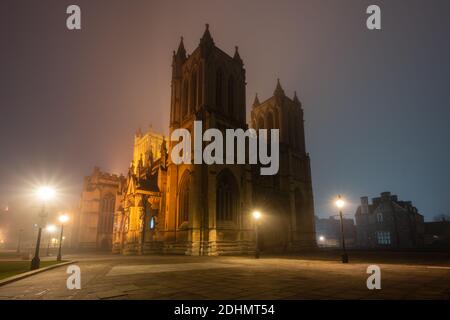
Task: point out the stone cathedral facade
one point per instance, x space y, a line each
201 209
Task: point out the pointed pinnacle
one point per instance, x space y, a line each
181 50
207 38
236 56
295 96
256 101
278 90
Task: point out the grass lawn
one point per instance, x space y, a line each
9 255
11 268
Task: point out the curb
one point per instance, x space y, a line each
33 272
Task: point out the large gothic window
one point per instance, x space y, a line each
226 197
260 123
194 92
184 104
276 120
200 85
269 126
270 122
219 89
106 220
292 132
231 96
183 205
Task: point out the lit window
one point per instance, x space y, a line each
152 223
384 237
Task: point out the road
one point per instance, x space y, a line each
182 277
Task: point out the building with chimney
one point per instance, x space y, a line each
389 223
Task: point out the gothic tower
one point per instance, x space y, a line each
207 210
287 197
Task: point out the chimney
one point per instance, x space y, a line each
386 196
364 205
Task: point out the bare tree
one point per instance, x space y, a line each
442 217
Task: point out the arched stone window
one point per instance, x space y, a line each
226 197
270 123
276 119
299 136
106 219
200 85
292 132
183 205
231 96
260 123
219 86
194 92
184 103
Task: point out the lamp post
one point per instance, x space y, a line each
63 218
50 229
45 194
340 203
256 216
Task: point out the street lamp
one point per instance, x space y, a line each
340 203
50 230
63 219
45 194
256 216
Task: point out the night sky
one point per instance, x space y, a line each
376 103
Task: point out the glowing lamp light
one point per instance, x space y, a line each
51 228
321 238
63 218
256 215
340 203
45 193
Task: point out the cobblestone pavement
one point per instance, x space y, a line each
180 277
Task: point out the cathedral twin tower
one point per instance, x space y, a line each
200 209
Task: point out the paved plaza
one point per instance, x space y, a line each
182 277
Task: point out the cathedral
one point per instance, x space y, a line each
200 209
